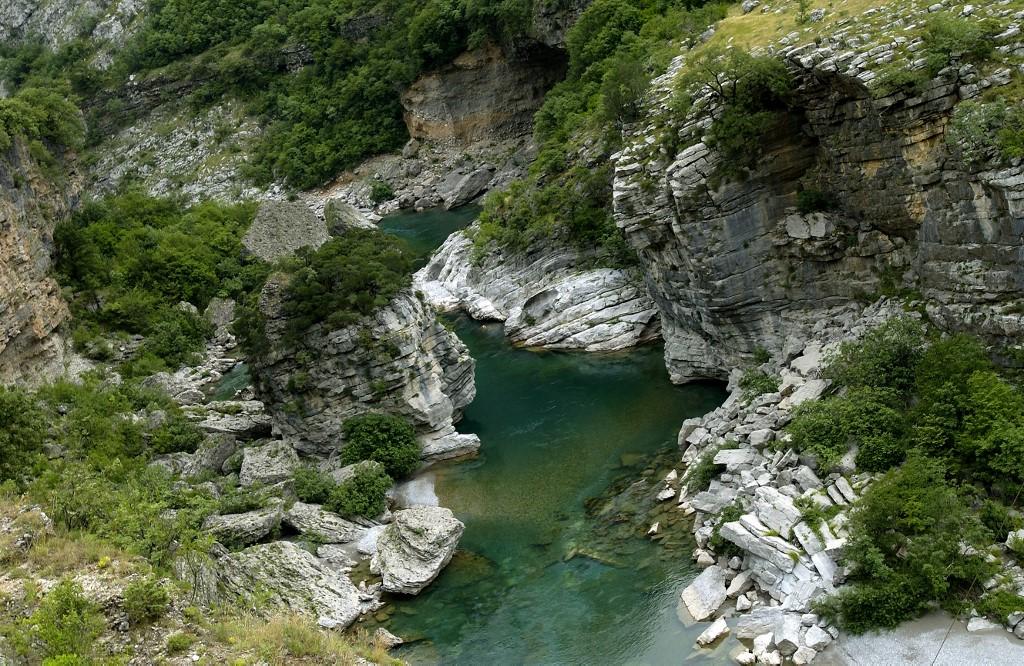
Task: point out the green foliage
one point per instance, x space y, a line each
718 543
988 130
813 201
752 93
906 550
947 40
44 112
380 191
145 600
388 439
131 259
363 494
176 434
827 428
615 48
21 434
313 486
883 358
700 474
346 278
756 382
63 627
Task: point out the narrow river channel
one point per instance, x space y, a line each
554 567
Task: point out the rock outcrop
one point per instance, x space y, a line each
486 93
415 547
399 359
543 297
733 266
282 227
288 577
31 308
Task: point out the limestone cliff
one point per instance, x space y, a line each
544 297
31 307
486 93
734 266
400 360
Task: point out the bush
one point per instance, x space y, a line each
390 440
21 434
65 625
828 428
755 382
313 486
813 201
145 601
753 93
380 191
176 435
346 278
991 130
906 548
363 494
885 357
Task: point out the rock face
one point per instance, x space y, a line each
543 298
31 307
59 21
483 94
413 549
292 579
733 266
400 360
282 227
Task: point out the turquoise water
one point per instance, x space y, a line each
426 230
554 566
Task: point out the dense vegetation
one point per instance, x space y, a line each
615 48
945 428
131 261
388 439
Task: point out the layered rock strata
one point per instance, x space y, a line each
31 307
543 296
733 266
399 359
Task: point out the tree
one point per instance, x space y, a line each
388 439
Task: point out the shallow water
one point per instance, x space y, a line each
554 567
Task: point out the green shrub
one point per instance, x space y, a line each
879 452
828 428
719 544
753 93
813 201
65 625
145 600
313 486
885 357
388 439
990 130
907 534
21 433
363 494
179 643
346 278
176 434
380 191
756 382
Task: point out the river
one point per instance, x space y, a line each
554 566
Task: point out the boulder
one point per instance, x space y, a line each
243 529
282 227
817 638
211 455
460 189
244 419
776 510
705 594
413 549
787 634
268 464
311 520
286 576
757 623
341 216
717 630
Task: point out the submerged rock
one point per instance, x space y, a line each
705 594
413 549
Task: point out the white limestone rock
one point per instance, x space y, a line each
415 547
703 597
718 629
268 464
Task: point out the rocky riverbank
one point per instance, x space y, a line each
544 296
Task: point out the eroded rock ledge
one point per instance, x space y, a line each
543 297
399 359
